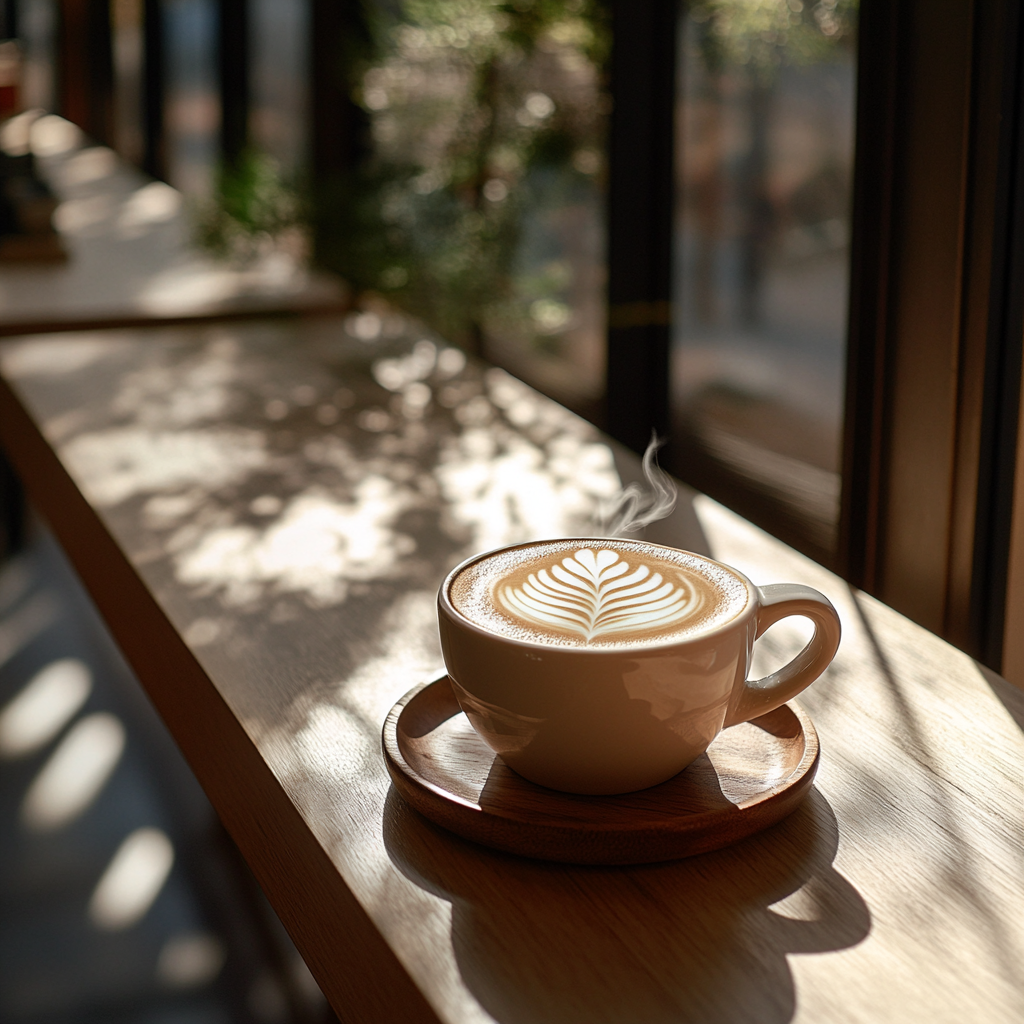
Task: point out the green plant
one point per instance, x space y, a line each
251 208
485 119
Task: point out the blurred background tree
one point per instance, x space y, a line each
479 204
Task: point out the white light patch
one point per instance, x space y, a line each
75 773
152 204
505 489
315 547
186 286
56 357
133 880
47 702
52 135
75 215
113 465
190 960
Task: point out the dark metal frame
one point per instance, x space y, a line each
85 77
154 64
1003 101
233 56
640 201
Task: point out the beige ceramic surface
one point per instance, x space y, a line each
615 719
177 466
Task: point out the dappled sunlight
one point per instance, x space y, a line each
314 547
190 960
181 396
501 488
151 204
406 652
120 463
47 702
343 736
184 287
89 165
132 881
52 135
75 774
59 357
309 487
403 652
76 215
292 498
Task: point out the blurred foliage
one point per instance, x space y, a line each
482 117
251 208
764 34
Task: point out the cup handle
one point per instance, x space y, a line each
779 600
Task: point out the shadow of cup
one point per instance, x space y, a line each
693 940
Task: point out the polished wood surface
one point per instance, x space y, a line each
263 514
751 777
131 255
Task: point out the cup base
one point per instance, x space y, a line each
751 777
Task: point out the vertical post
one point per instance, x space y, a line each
878 87
995 457
86 67
340 41
9 19
640 193
153 89
233 57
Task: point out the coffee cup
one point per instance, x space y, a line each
602 666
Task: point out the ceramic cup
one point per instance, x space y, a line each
612 715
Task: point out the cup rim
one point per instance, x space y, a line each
445 603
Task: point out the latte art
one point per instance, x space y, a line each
595 593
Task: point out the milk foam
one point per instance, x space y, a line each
597 593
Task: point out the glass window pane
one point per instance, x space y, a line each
37 27
278 80
481 208
193 94
764 166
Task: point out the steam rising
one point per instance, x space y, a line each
639 505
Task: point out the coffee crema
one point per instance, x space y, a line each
597 593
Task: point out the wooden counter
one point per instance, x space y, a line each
131 256
263 513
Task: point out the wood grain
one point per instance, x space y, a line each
752 776
894 892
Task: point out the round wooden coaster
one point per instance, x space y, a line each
752 776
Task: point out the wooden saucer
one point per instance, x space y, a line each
752 776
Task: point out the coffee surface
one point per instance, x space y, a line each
597 593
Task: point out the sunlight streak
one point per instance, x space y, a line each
132 881
75 773
49 700
190 960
